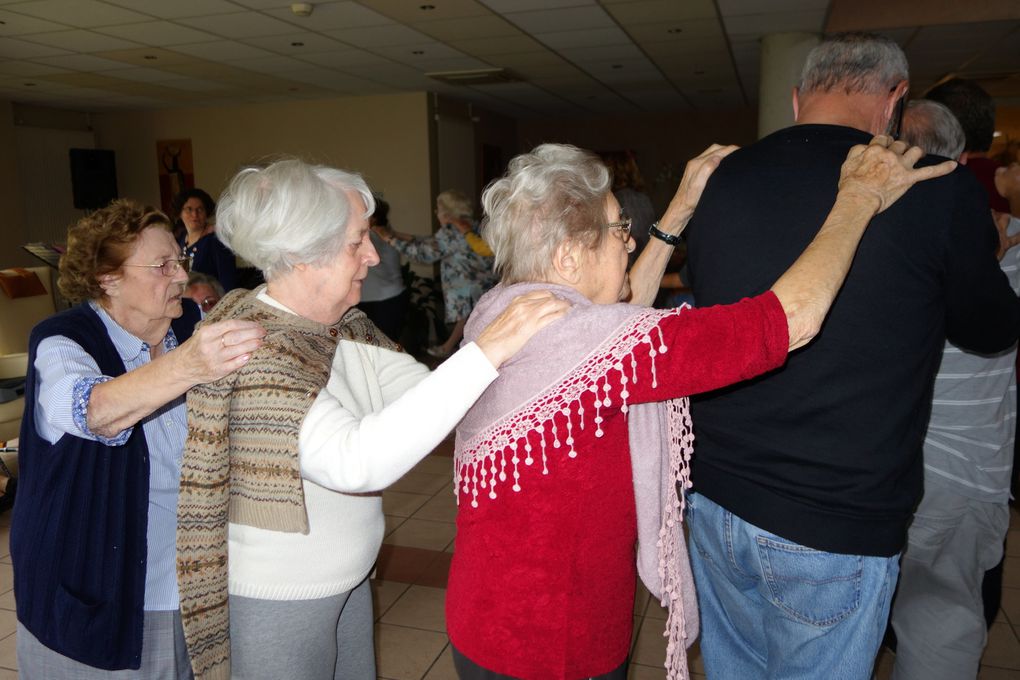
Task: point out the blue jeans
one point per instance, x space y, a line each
771 608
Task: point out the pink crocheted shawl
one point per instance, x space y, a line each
592 349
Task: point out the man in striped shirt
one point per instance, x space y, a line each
958 528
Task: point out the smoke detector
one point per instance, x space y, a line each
302 9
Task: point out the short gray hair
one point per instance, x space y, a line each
198 278
933 127
554 194
455 203
856 63
287 213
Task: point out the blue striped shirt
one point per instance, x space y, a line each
66 377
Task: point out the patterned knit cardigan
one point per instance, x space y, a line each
241 458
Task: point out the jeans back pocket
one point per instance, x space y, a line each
814 587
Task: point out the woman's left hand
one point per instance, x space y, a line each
525 316
217 349
696 175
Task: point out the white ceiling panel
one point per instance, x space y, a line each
506 6
596 37
274 64
332 15
83 62
81 41
223 50
144 75
20 24
297 44
240 25
343 59
584 55
371 37
567 19
159 33
165 9
13 48
80 13
27 68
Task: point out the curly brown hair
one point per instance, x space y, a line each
99 243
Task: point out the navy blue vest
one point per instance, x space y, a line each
78 535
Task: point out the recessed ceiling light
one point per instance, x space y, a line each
3 23
617 66
150 57
699 73
426 8
297 43
293 89
29 84
418 52
674 30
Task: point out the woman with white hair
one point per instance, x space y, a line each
465 273
280 519
543 574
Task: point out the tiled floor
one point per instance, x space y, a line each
411 642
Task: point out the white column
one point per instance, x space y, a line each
782 58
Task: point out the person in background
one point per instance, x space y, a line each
807 478
384 296
961 522
629 189
93 539
194 209
465 274
280 515
200 294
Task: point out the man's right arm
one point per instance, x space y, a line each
982 311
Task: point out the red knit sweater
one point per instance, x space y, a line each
542 581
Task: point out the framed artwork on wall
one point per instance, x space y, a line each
176 170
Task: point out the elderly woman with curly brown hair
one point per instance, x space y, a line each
93 534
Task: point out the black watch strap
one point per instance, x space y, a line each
663 236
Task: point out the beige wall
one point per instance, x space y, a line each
383 137
12 229
662 143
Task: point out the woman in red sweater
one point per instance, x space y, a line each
550 508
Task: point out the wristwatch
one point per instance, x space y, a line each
669 239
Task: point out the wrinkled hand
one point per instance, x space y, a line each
696 175
218 349
525 316
882 171
1005 240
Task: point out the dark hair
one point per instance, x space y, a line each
382 212
183 197
972 106
99 243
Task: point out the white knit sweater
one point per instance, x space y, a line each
381 413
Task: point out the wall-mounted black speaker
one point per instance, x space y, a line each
93 177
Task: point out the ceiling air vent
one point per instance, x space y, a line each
477 76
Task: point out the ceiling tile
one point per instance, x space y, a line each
504 6
774 22
144 75
158 33
150 57
661 11
412 12
81 41
274 64
379 36
222 50
27 68
83 62
471 27
567 19
582 55
296 44
506 44
331 15
79 13
177 8
13 48
20 24
343 59
240 25
590 38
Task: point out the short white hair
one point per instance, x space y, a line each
287 213
552 195
933 127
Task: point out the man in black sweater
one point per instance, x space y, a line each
805 479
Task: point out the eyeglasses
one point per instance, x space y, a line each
168 268
623 226
208 303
